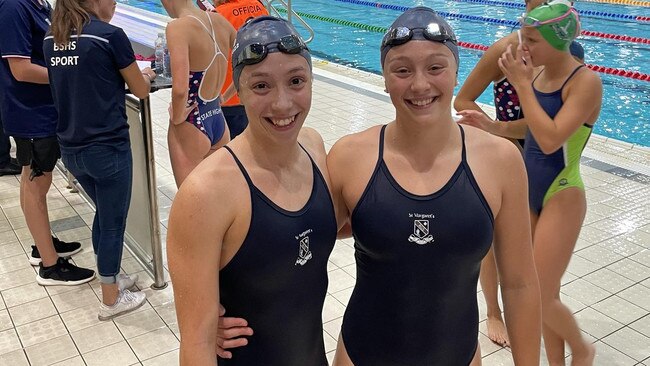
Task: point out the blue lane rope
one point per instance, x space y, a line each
486 19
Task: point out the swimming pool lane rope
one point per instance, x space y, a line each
376 29
510 23
624 2
583 13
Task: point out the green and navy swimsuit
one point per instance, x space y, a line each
549 174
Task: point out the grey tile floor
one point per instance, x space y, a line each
607 284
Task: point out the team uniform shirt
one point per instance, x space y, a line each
88 87
27 108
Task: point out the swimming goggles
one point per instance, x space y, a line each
256 52
432 32
529 21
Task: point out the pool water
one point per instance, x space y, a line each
625 104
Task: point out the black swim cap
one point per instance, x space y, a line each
261 36
424 24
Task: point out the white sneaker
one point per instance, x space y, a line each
125 282
127 301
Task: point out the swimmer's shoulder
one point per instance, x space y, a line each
356 147
217 178
490 149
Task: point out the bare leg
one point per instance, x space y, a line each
341 357
554 345
476 361
555 237
109 293
33 201
489 283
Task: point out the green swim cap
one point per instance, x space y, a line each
557 21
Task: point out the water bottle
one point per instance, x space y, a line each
159 53
167 67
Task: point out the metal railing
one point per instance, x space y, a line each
290 15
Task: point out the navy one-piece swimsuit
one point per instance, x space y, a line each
277 280
418 261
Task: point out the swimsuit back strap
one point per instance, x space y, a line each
462 139
571 75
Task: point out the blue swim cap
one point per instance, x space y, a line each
261 36
420 23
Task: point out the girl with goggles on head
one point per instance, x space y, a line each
424 204
253 226
562 101
198 42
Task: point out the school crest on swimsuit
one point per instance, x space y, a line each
421 234
304 254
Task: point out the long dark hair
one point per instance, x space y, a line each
68 16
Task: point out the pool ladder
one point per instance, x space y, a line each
290 15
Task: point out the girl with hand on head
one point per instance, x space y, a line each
198 42
562 101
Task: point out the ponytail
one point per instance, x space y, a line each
68 15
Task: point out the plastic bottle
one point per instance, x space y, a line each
160 45
167 67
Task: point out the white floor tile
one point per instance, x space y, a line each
118 354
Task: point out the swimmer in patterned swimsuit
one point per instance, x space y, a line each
197 40
562 100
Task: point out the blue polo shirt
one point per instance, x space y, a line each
27 108
88 89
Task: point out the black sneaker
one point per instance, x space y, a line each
63 273
10 169
62 248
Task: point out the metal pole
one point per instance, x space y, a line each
289 11
154 221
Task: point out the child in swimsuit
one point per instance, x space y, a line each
197 42
562 103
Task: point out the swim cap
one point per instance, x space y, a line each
557 21
420 23
577 51
263 35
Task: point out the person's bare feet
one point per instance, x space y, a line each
584 360
497 332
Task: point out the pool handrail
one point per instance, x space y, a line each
290 15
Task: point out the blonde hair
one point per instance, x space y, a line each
68 16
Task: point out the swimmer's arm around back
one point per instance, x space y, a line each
484 73
514 256
199 218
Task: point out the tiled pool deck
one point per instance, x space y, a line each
607 284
